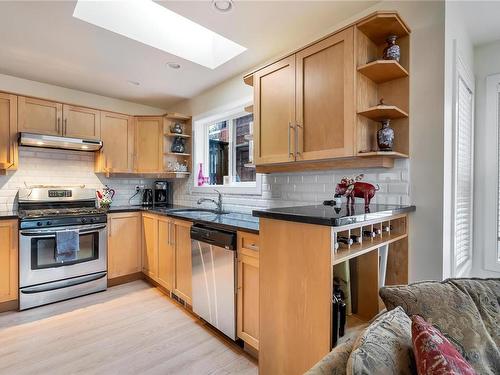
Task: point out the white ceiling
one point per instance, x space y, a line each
482 20
41 41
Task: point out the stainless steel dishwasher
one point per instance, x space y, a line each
214 277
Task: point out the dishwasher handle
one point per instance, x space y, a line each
214 237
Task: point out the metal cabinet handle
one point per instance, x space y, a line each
65 126
297 126
290 126
58 125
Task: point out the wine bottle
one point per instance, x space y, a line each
378 231
369 233
345 240
387 228
355 239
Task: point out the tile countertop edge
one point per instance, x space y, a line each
281 214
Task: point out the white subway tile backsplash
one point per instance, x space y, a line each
60 167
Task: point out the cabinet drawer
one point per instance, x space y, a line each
248 244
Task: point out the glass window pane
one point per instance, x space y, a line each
218 152
243 172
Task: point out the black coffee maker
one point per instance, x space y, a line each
147 197
162 194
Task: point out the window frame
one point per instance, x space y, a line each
491 244
201 150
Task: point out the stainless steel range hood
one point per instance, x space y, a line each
54 141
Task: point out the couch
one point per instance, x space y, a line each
466 311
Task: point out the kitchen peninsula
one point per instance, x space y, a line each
299 249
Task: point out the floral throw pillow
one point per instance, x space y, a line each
434 354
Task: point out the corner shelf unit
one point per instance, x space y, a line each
378 79
172 157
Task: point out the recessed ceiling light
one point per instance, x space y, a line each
173 65
135 83
223 6
152 24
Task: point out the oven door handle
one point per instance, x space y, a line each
42 233
63 283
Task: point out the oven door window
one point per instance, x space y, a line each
43 251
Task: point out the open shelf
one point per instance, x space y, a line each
356 250
177 116
379 26
177 135
383 112
390 154
177 154
249 108
381 71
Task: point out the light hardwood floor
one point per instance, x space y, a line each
129 329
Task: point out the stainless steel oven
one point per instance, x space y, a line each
45 277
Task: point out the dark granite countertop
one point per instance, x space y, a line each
8 215
228 221
333 216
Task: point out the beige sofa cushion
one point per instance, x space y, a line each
384 348
457 308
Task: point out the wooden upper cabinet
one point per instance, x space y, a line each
325 112
81 122
166 252
149 144
117 135
9 287
8 132
39 116
124 244
183 263
274 112
150 245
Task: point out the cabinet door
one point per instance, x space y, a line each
165 252
325 98
8 260
183 272
149 144
124 244
274 112
8 132
80 122
150 245
248 289
40 116
117 135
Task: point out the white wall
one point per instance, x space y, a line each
51 92
457 44
425 184
487 62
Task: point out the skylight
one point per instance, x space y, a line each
154 25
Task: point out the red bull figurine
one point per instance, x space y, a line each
353 188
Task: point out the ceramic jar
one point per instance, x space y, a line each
392 51
179 145
176 128
385 136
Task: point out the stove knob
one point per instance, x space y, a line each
49 222
92 219
39 223
84 220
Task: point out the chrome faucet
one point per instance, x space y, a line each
217 202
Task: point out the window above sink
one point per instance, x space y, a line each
223 148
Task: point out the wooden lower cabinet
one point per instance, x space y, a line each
166 252
9 255
150 245
183 273
124 244
248 289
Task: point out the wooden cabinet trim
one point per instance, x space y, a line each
11 266
10 142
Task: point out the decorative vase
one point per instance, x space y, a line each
176 128
392 51
201 178
385 136
178 146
